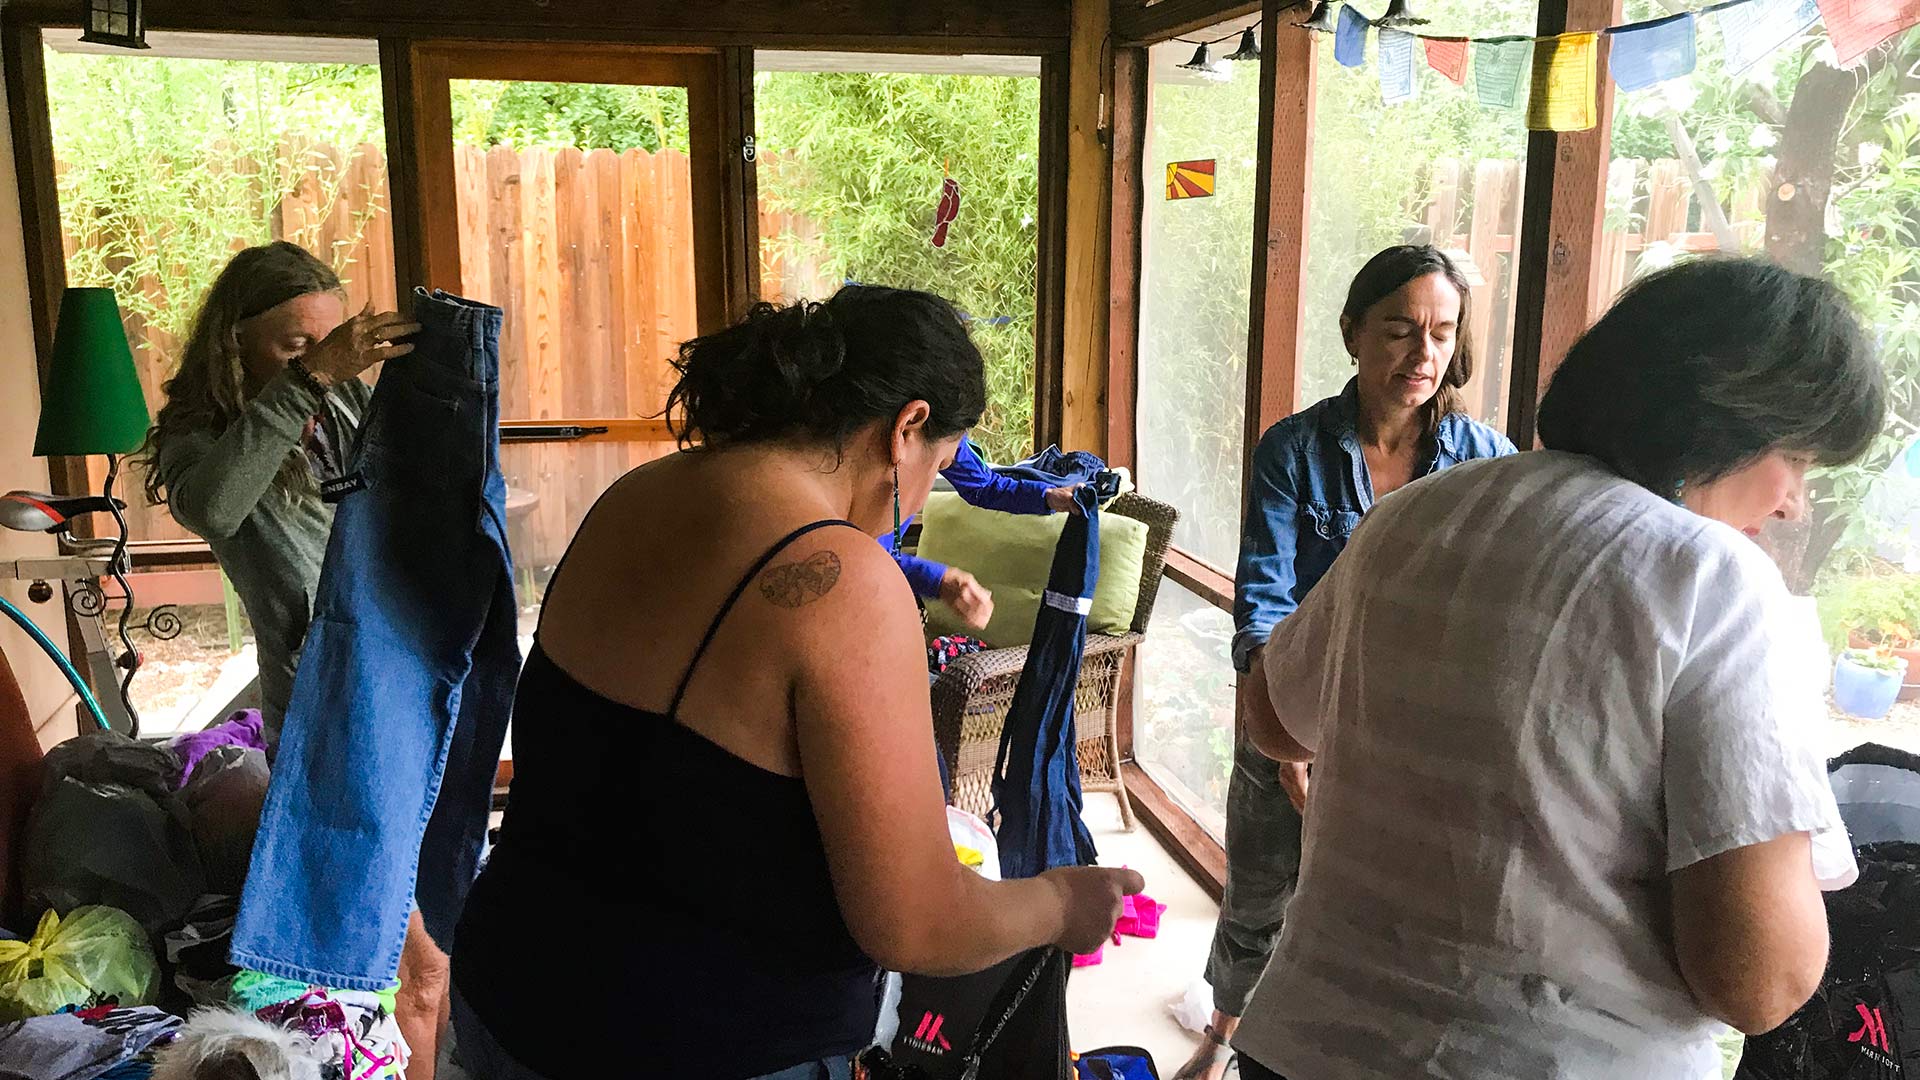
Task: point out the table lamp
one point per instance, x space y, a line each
91 403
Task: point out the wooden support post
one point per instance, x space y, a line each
1560 228
31 124
741 198
1089 171
1276 335
1129 136
1049 327
420 165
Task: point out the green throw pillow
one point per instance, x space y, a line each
1011 555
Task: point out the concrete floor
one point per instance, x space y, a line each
1124 999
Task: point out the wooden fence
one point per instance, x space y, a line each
591 255
1476 209
589 252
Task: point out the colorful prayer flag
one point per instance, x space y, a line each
1350 41
1856 26
1498 67
1190 179
1396 66
1756 29
1448 56
1565 70
1647 54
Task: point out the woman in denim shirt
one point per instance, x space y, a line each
1314 474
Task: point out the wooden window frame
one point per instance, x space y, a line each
1561 220
725 227
419 249
1027 28
1275 343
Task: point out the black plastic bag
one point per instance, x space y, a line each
223 800
1864 1021
1008 1022
109 829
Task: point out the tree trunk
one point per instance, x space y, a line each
1797 240
1803 174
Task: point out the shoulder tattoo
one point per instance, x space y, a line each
797 584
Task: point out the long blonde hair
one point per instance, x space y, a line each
209 388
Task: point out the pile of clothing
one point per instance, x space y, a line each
134 856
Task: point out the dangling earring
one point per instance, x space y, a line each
1679 492
896 508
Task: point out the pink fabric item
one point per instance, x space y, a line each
1140 917
1090 959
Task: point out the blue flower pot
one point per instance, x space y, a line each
1863 691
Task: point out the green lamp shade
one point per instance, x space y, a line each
92 402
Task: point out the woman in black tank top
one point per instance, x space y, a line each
726 816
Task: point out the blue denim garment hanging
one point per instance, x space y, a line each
400 703
981 485
1057 468
1036 780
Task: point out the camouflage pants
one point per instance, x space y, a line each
1263 866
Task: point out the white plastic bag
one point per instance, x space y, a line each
971 839
1194 1010
975 847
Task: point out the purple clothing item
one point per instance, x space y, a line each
243 728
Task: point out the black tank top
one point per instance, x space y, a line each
655 902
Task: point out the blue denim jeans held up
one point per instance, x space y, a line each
406 680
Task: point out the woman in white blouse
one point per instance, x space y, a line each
1567 819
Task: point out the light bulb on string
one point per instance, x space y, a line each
1400 13
1322 20
1249 47
1200 62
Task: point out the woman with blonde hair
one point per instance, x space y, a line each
266 403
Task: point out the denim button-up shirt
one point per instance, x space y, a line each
1309 487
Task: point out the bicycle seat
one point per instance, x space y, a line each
33 511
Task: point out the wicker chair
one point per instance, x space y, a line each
971 697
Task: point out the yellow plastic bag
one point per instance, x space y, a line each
95 953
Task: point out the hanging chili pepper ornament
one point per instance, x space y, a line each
949 209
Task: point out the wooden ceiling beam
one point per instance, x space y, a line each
988 26
1135 23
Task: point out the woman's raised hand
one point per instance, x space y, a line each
359 343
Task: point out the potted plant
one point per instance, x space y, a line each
1894 639
1866 682
1875 609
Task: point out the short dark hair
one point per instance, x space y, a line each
819 371
1384 275
1701 368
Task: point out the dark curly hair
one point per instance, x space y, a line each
817 372
1705 366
